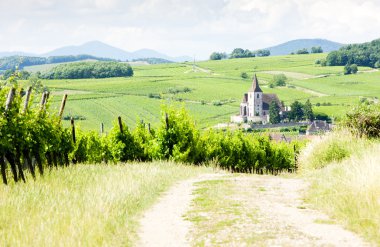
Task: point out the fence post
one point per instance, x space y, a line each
295 158
10 98
27 98
149 128
120 124
167 121
73 136
63 103
101 128
73 130
3 170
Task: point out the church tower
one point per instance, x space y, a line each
255 99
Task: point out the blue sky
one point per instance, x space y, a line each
186 27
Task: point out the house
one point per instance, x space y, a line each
255 105
318 127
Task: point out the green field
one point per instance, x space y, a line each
210 83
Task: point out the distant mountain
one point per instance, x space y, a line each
295 45
15 53
100 49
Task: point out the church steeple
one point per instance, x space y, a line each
255 85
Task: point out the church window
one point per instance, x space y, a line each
258 96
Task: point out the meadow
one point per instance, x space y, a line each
211 90
92 205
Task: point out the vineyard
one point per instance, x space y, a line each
33 138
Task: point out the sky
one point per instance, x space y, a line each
183 27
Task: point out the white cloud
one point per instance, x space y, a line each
183 26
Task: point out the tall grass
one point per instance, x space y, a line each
84 205
347 185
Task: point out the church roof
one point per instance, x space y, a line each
267 100
255 85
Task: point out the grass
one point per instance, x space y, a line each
218 219
92 205
348 187
102 100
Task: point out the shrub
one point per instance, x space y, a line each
364 120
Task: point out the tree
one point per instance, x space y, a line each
347 69
303 51
218 56
316 49
308 111
296 112
278 81
366 54
354 68
244 75
263 53
377 64
274 113
240 53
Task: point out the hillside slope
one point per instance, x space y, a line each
295 45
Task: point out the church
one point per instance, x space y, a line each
255 105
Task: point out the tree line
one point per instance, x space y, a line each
239 53
82 70
366 54
19 62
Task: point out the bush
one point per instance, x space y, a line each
278 80
364 120
244 75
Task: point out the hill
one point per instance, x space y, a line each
295 45
211 90
100 49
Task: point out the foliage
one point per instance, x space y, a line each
278 80
296 113
262 53
308 111
152 60
89 70
302 51
218 56
241 53
350 69
274 113
20 62
30 133
244 75
364 120
316 49
366 54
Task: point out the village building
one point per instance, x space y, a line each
255 105
318 127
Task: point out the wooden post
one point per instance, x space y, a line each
101 128
43 99
73 130
63 103
26 103
149 127
3 169
120 124
10 98
167 121
295 158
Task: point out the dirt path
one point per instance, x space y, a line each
281 218
164 224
